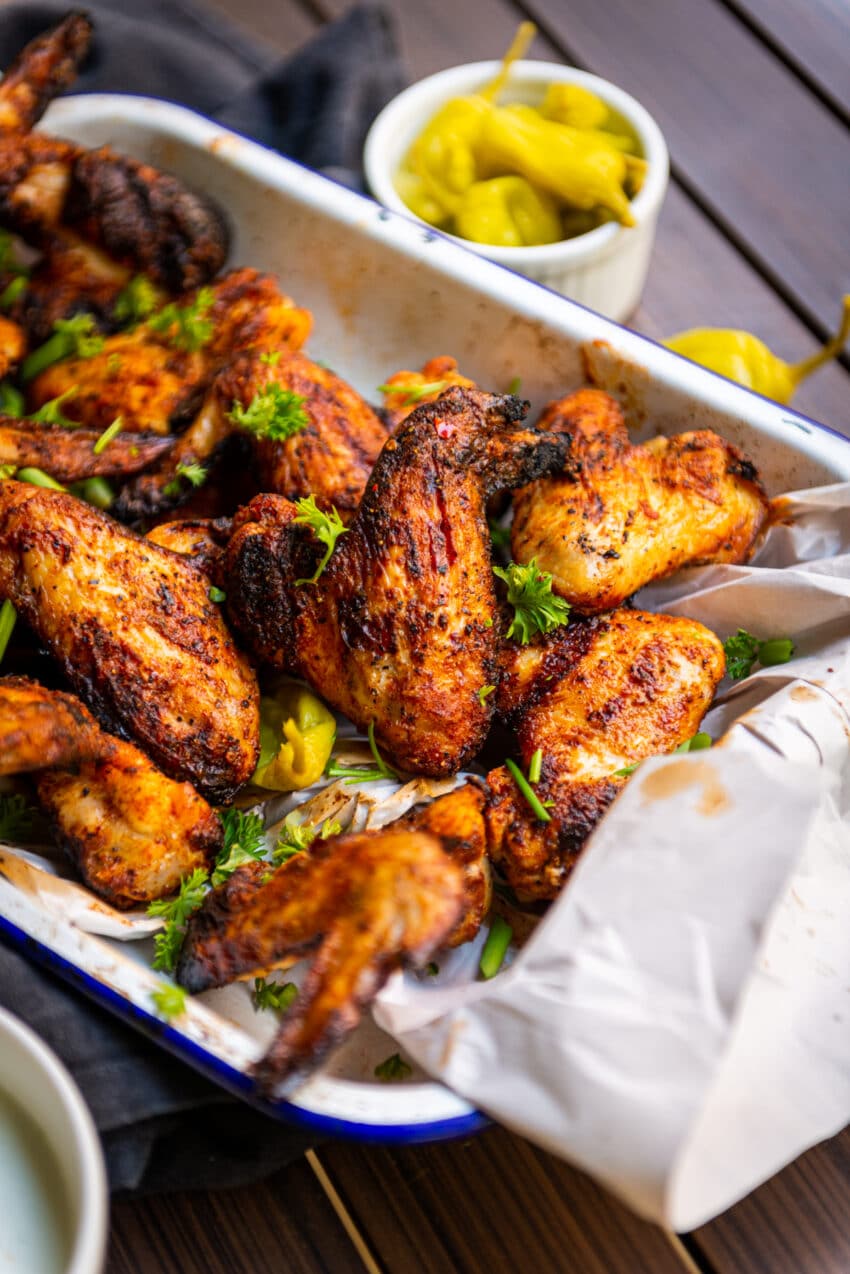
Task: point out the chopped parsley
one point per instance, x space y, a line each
536 608
409 395
175 913
186 327
137 301
193 473
274 412
742 650
500 536
482 694
277 996
216 595
51 413
515 385
169 1001
244 842
16 815
327 528
271 358
392 1069
295 837
75 337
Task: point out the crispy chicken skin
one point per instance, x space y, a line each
68 454
408 388
457 820
595 697
132 832
332 457
41 728
71 276
13 344
201 539
402 628
369 902
621 516
43 68
134 630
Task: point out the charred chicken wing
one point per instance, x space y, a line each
595 698
134 630
369 902
621 516
132 832
401 629
69 454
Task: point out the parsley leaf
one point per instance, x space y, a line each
273 412
216 595
500 536
186 326
169 1001
137 300
194 474
743 650
76 337
244 842
175 913
327 528
51 413
393 1069
271 358
536 608
273 995
16 815
409 395
482 694
295 837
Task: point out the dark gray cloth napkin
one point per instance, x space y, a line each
163 1126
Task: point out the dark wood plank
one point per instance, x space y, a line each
813 36
799 1223
281 25
285 1223
492 1203
698 277
765 157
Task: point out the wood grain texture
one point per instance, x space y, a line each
765 157
814 37
284 1224
493 1203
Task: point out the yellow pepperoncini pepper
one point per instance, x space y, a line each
574 105
508 211
746 359
575 166
297 734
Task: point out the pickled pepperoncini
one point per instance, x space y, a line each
297 734
744 358
517 176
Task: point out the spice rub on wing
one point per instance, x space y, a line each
623 515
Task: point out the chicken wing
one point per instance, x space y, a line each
402 628
13 345
69 456
595 698
201 539
43 68
134 630
370 902
132 832
405 390
621 516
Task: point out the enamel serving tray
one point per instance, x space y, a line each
386 293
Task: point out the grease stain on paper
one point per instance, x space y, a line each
679 775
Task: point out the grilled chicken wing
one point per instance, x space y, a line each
201 539
46 66
370 902
595 697
68 454
135 631
621 516
401 629
132 832
457 820
13 343
405 390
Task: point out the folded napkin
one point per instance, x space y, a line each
163 1126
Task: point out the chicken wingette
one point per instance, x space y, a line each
621 516
369 903
135 632
401 630
132 832
594 698
69 455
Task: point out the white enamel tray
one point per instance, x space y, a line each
386 294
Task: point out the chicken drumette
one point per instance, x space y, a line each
133 628
622 515
132 832
401 630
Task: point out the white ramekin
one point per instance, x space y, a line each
604 269
34 1079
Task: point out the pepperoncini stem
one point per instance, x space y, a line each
296 739
799 371
526 31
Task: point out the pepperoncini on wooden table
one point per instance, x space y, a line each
742 357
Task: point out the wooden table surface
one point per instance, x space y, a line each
754 98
